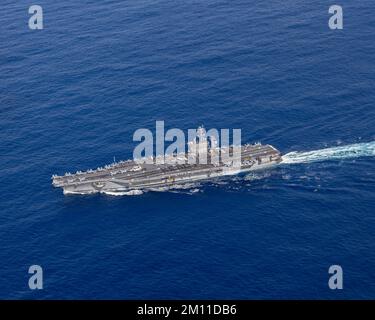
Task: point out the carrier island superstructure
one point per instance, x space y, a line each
175 169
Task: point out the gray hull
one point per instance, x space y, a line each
132 176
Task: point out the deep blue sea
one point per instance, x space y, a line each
72 95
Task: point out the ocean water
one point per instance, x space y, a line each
72 94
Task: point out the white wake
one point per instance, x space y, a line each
343 152
134 192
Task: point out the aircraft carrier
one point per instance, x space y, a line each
135 176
